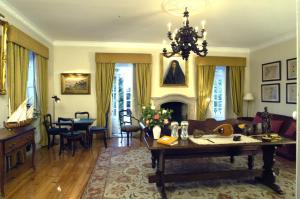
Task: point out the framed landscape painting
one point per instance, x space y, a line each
75 83
271 71
173 71
291 69
291 93
270 93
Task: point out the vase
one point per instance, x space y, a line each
156 132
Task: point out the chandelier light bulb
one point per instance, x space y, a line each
205 35
176 30
196 28
164 42
169 26
203 22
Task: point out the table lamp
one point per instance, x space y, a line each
294 115
55 100
248 97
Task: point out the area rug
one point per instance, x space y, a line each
121 173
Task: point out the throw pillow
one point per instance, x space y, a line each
291 131
275 125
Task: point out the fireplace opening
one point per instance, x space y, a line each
180 110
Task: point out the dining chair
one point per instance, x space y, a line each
51 129
126 124
84 114
71 134
99 130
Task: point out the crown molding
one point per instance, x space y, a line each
22 19
132 45
272 42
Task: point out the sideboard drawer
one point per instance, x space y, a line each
18 142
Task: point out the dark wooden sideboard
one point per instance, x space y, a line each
11 141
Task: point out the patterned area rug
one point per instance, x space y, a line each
121 173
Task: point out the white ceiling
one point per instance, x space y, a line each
230 23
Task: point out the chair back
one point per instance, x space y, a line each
125 117
47 121
84 114
69 122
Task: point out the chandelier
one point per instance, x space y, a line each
184 40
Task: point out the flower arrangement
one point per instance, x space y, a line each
152 117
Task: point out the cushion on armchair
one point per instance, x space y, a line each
291 131
275 125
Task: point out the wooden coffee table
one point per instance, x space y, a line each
187 149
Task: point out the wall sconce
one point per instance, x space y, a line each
55 100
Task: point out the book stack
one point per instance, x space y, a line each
167 140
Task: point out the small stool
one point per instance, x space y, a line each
96 130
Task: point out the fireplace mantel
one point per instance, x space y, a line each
190 101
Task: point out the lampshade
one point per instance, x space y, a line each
248 97
294 115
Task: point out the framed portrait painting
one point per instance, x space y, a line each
291 69
75 83
173 71
291 93
270 93
271 71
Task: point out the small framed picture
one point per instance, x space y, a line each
291 69
75 83
173 71
270 93
291 93
271 71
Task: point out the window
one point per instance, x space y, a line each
31 81
219 94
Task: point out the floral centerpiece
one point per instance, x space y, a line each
152 117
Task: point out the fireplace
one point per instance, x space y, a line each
179 110
188 104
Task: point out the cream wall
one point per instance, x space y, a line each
16 21
80 57
280 51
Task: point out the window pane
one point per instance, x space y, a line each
219 93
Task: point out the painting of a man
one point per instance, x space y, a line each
174 74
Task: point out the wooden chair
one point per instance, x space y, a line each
71 135
97 130
84 114
126 125
51 130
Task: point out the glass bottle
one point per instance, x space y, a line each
174 129
184 130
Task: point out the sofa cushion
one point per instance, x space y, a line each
257 119
291 131
275 125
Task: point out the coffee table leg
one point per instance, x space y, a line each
160 173
250 162
268 178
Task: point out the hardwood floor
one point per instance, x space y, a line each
56 177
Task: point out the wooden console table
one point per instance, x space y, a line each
12 141
187 149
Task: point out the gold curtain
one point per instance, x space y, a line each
42 92
3 59
17 74
205 80
237 78
143 84
18 60
104 82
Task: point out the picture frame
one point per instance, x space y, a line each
178 78
270 93
291 69
291 93
271 71
75 83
